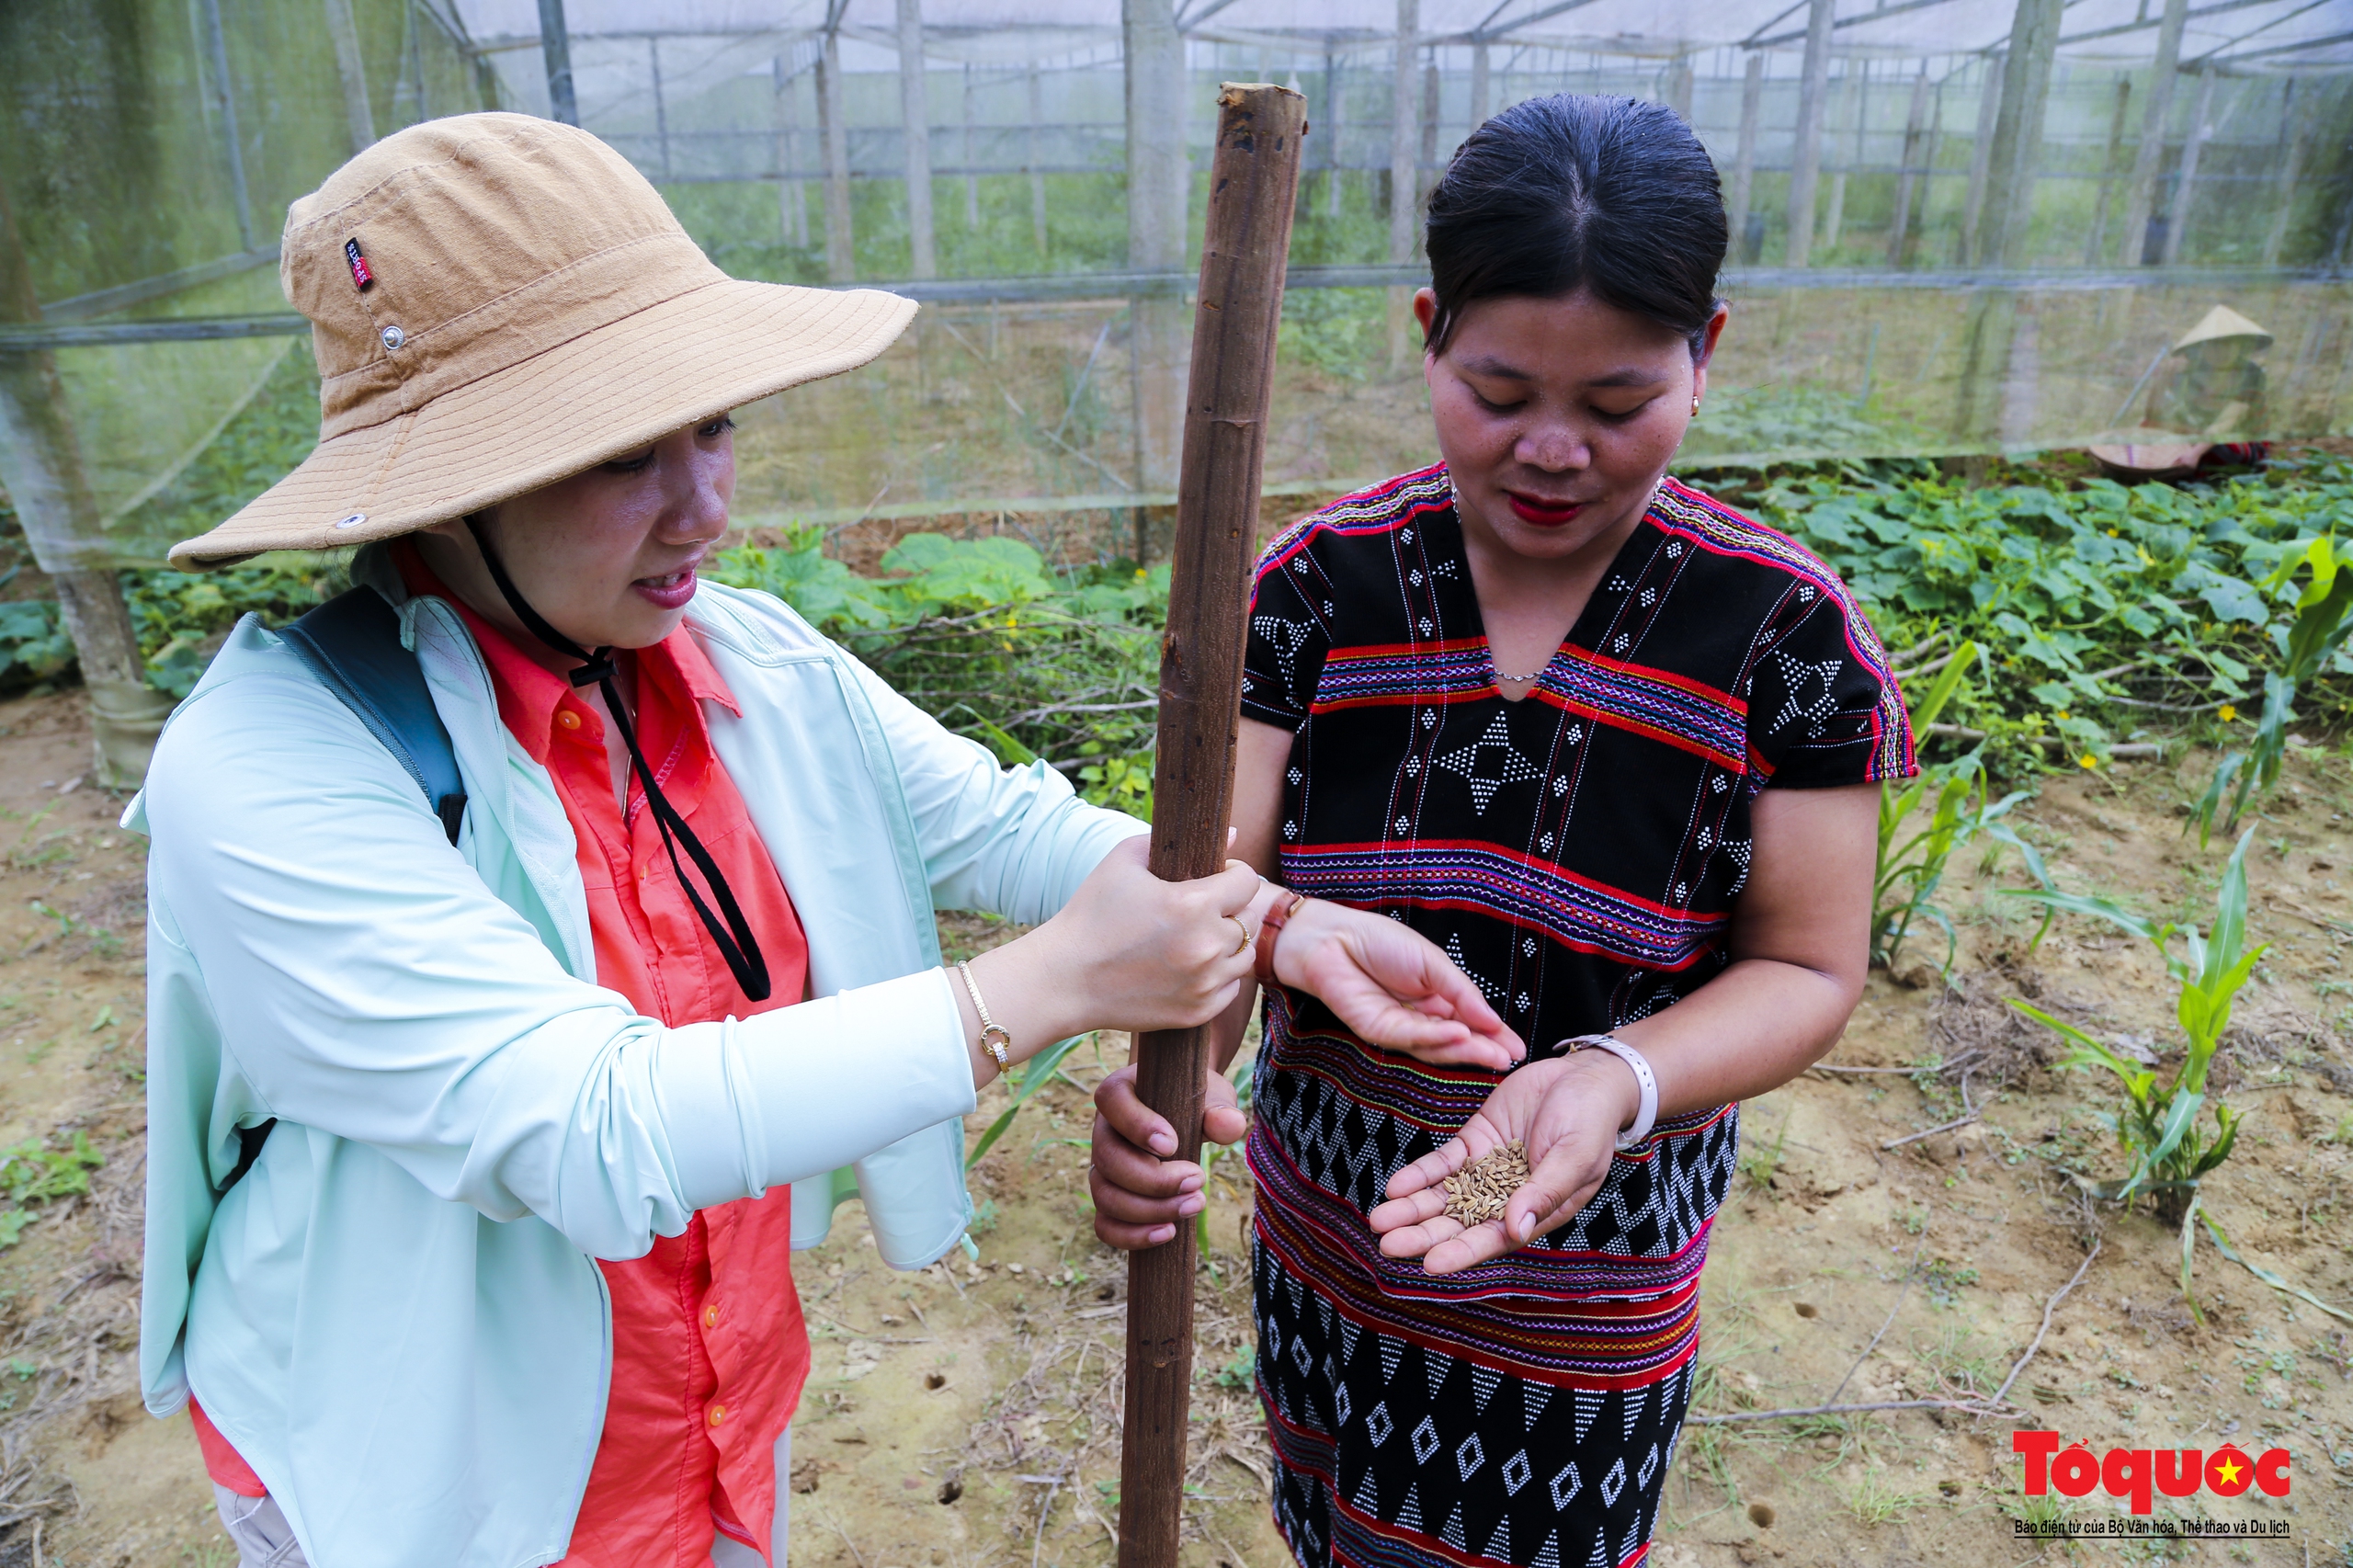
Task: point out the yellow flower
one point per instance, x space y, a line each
2111 533
2227 713
2062 714
2088 761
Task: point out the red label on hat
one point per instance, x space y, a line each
360 275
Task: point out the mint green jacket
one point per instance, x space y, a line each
397 1316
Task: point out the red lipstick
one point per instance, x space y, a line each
1538 512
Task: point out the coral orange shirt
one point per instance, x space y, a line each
709 1349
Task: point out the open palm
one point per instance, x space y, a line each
1565 1113
1394 988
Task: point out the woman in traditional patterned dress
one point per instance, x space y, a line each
1613 748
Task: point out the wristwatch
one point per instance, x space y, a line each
1648 1111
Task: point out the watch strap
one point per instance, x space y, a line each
1647 1115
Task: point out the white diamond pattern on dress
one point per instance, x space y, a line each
1485 777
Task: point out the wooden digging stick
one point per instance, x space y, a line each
1253 179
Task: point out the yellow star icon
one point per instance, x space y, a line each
2229 1470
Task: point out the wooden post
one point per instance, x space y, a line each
1334 106
1254 181
2008 208
832 130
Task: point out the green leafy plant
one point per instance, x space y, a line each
2102 607
34 1172
2324 619
1032 663
2157 1126
1033 1075
1908 871
33 644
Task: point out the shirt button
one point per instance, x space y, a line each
568 719
718 1413
711 1317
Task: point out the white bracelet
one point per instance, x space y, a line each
1648 1111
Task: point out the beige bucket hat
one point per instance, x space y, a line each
498 302
2220 322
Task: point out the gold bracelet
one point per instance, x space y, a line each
993 1038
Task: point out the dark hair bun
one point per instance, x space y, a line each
1574 191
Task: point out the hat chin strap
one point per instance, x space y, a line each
733 936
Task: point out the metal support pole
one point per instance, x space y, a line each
1403 193
1675 87
791 195
661 104
555 48
41 465
1037 174
972 178
2140 203
1806 168
344 32
1159 196
1845 108
1433 99
2009 210
1915 126
2094 243
914 119
841 255
224 98
2291 148
1981 158
1744 159
2185 188
1335 113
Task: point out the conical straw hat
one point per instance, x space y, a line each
498 302
2220 322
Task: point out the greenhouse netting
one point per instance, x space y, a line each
1959 226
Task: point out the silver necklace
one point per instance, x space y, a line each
1517 680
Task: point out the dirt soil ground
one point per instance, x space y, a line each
969 1415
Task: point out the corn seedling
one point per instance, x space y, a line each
2158 1127
1033 1076
2324 620
1909 871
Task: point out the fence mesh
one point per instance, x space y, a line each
1959 228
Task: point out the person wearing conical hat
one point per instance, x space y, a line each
480 1136
2212 387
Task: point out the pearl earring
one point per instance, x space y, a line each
1695 406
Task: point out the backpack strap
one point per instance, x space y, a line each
352 643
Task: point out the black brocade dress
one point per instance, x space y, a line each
1578 852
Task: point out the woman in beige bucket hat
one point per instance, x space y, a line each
464 1241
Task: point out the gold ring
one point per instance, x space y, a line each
1244 946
